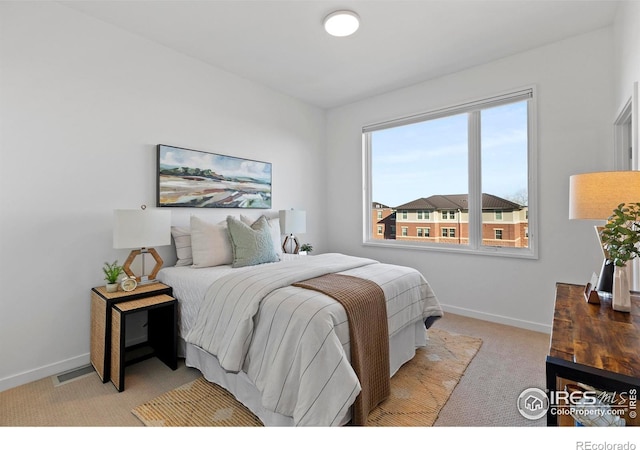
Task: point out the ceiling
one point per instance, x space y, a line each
282 45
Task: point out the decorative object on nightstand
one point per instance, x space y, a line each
305 249
292 221
128 283
142 230
621 238
594 196
111 273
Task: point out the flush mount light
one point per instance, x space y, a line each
341 23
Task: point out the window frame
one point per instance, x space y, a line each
473 108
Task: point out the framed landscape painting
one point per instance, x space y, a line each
199 179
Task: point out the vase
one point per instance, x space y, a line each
112 287
621 297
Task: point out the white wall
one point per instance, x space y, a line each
575 90
627 77
626 51
82 107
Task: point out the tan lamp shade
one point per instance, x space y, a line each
595 195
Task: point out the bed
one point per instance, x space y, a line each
283 350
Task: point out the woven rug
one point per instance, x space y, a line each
419 390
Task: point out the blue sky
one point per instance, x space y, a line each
429 158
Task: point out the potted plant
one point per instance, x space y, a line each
621 239
111 273
305 248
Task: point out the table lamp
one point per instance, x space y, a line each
142 229
594 196
292 221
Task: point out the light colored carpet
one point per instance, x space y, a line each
418 392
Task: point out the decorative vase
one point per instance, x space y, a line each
112 287
621 297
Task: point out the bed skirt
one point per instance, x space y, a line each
402 348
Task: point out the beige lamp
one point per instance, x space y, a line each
292 221
594 196
142 229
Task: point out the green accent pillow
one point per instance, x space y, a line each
251 245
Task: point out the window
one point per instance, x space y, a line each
498 234
379 229
379 215
419 231
423 215
472 162
405 231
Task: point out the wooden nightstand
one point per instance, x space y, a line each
160 323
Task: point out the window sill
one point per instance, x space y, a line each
504 252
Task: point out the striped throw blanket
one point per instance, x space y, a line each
364 303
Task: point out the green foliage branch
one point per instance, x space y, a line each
621 235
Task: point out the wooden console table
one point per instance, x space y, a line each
593 344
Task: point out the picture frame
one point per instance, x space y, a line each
198 179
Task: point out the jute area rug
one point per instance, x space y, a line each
419 390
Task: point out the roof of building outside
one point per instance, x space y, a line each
377 205
459 201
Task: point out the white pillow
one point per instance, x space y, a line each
276 236
182 241
210 243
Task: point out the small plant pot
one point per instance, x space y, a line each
112 287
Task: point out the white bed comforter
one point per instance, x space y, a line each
293 343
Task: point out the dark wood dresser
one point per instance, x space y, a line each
594 345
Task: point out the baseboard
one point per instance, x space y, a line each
55 368
43 372
504 320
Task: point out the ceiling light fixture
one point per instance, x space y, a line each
341 23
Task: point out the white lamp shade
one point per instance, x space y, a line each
293 221
596 195
136 228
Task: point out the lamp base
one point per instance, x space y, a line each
293 239
126 267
